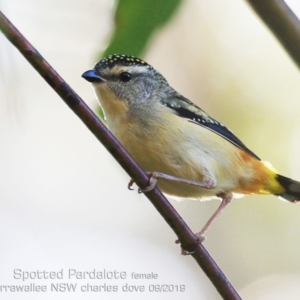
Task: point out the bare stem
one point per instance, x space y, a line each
282 21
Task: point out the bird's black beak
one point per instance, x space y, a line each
93 76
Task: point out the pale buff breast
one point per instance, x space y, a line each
188 151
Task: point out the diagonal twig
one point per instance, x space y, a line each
184 233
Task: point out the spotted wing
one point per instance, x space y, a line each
187 109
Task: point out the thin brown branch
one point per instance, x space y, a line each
282 21
184 233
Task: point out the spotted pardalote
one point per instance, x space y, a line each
192 154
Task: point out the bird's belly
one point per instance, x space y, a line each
182 166
183 190
195 158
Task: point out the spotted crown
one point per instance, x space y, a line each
121 60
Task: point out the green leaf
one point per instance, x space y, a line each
100 113
135 23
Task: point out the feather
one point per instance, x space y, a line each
188 110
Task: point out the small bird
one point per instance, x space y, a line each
187 153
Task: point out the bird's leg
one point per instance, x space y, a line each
226 199
208 183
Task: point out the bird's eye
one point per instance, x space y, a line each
125 76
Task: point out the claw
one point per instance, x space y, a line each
201 238
152 183
130 184
188 252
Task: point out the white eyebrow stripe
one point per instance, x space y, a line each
130 69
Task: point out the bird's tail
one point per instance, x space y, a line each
291 188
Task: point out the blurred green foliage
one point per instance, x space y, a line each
135 23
